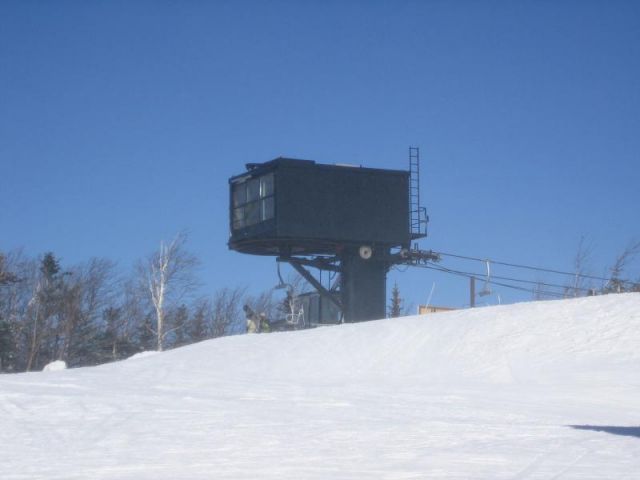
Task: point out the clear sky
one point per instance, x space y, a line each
121 121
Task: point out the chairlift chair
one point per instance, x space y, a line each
486 289
295 318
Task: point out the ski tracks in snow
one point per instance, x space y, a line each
555 460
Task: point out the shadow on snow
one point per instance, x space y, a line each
626 431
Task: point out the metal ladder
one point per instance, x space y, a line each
418 214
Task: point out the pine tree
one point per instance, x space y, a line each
6 277
179 322
7 347
84 345
395 307
79 330
7 343
45 305
198 329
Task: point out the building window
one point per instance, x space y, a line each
266 185
268 208
253 201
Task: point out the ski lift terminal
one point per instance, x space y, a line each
348 219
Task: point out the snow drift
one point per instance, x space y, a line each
55 366
536 390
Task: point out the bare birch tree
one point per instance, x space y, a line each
6 277
89 290
616 284
227 310
579 286
168 275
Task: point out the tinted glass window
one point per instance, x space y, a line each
268 210
266 185
238 218
253 201
253 190
252 213
239 194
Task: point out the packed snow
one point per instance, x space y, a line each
545 390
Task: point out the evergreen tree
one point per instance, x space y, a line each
6 277
198 328
45 308
7 347
395 307
50 266
109 337
179 321
112 342
7 343
83 342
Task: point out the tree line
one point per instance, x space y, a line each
615 282
89 313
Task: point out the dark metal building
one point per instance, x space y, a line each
299 206
347 217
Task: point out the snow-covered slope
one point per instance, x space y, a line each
538 390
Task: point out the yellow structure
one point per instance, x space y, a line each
427 309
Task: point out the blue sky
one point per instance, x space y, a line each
120 123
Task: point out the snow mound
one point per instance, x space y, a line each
146 354
55 366
535 390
